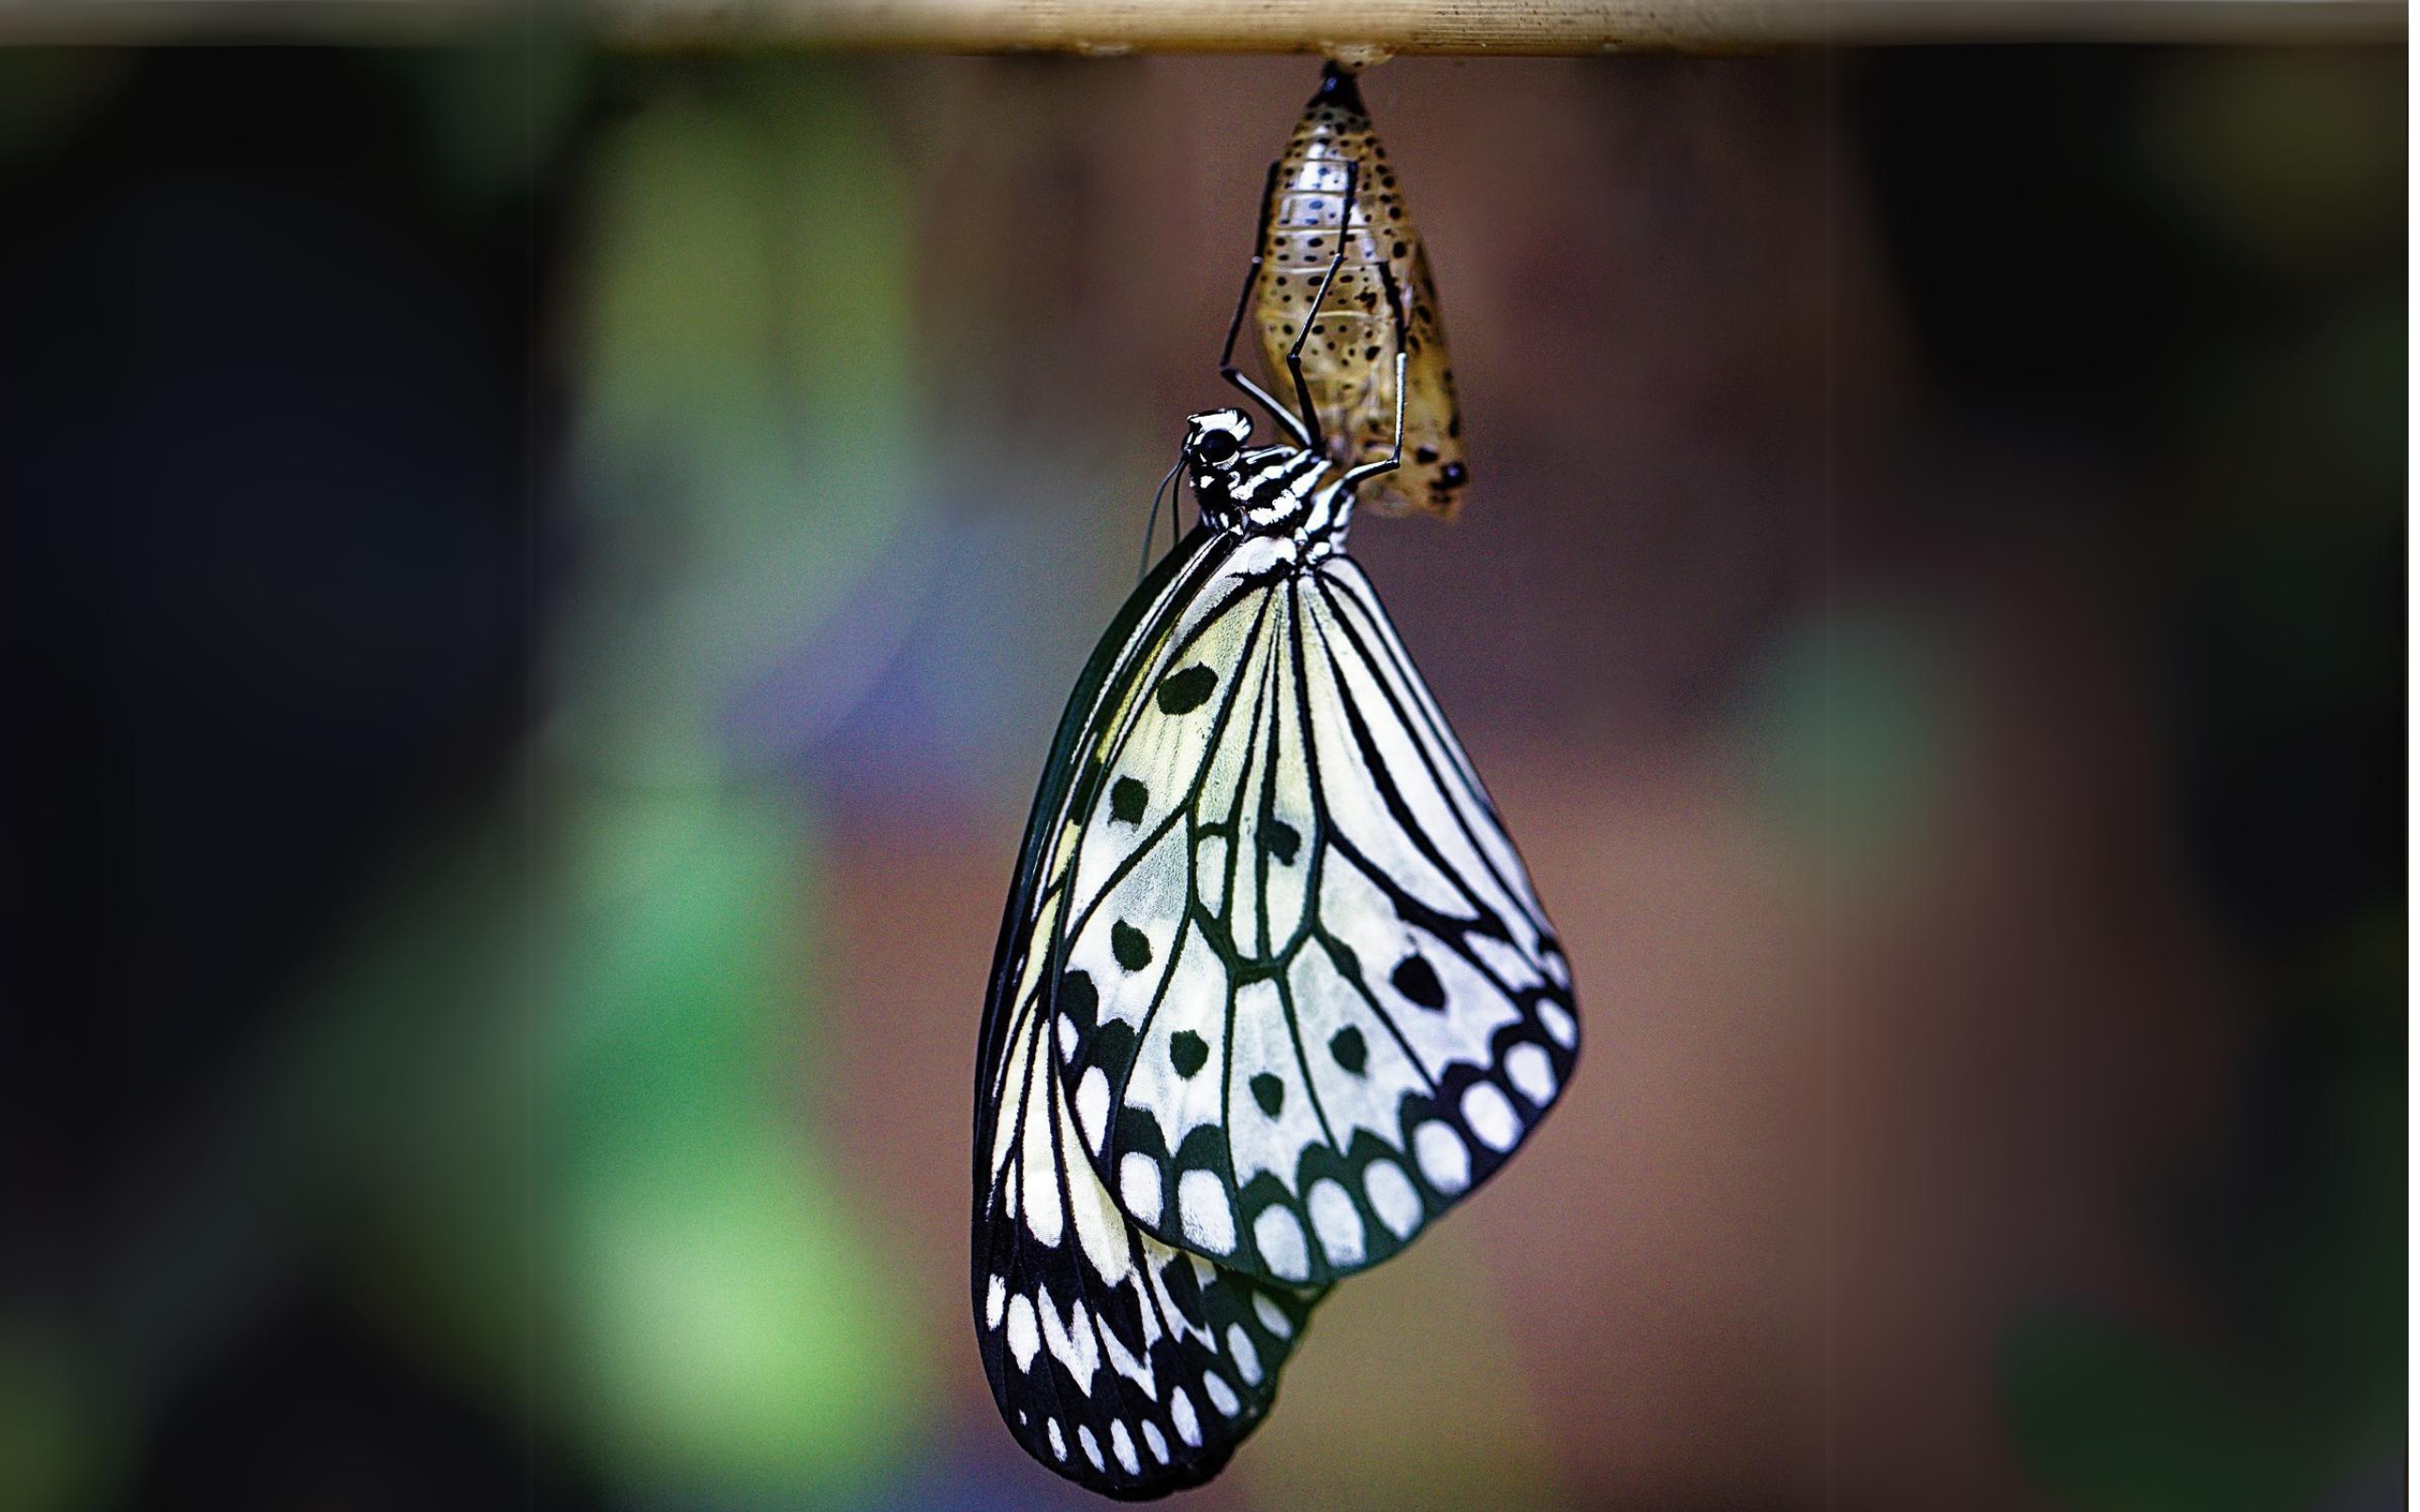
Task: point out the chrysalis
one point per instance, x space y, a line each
1349 361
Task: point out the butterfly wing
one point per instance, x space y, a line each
1315 1000
1125 1365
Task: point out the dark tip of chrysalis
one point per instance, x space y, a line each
1337 87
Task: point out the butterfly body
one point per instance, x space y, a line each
1270 492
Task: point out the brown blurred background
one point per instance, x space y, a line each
540 582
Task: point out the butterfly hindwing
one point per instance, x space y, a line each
1128 1366
1324 1002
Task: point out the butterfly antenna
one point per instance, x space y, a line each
1151 521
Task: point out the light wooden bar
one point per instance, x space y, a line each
1355 29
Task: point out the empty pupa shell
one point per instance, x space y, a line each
1349 361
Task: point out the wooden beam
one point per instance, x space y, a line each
1363 29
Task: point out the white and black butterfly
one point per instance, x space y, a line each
1273 990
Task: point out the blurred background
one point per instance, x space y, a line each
539 580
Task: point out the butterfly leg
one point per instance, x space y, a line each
1387 464
1227 368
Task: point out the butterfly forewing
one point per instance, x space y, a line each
1319 1001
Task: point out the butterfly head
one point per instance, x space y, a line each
1214 442
1213 454
1262 489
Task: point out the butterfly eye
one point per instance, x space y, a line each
1215 448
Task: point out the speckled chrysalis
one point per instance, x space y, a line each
1349 362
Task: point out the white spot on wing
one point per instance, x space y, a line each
1444 1160
1121 1443
1282 1246
996 1300
1393 1195
1090 1446
1532 1072
1201 1205
1025 1339
1189 1427
1560 1024
1154 1442
1210 873
1222 1396
1273 1318
1138 1183
1240 1349
1491 1117
1339 1224
1092 1105
1058 1441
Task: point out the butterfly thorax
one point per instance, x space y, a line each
1278 490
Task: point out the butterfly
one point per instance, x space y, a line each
1273 990
1349 359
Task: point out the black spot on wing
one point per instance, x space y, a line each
1269 1092
1187 690
1127 800
1351 1051
1188 1052
1417 980
1112 1049
1132 947
1079 999
1283 840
